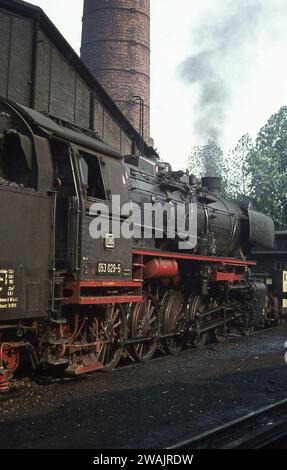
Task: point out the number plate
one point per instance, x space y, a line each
8 288
109 269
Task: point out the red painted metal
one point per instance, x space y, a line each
76 298
110 283
147 264
80 369
9 361
5 382
122 299
208 259
73 295
161 268
229 277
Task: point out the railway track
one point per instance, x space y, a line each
264 428
161 356
128 363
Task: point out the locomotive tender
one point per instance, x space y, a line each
75 304
271 269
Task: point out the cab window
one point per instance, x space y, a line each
91 176
16 161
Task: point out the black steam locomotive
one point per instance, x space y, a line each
72 302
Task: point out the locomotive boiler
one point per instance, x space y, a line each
74 303
224 228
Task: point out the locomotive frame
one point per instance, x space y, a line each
57 303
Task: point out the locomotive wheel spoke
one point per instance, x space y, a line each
145 324
141 348
150 312
174 316
113 330
114 316
195 308
219 334
102 354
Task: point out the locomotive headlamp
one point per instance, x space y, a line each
109 241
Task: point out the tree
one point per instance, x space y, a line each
236 178
206 160
267 169
209 160
257 172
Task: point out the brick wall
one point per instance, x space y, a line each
116 48
59 89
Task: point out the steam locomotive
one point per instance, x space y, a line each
74 303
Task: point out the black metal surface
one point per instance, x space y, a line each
224 228
34 62
271 269
66 134
248 432
51 178
261 229
222 225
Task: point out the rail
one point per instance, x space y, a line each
256 430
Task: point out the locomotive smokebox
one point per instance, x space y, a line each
212 183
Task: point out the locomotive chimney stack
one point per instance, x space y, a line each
212 183
116 49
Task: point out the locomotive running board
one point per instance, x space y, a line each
130 291
207 259
133 292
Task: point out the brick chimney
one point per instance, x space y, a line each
116 49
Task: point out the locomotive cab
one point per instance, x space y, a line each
103 252
87 174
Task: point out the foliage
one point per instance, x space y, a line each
235 173
267 166
206 160
255 171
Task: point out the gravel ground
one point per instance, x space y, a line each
149 406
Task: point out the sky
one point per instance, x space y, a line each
218 68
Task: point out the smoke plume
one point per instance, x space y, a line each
221 41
